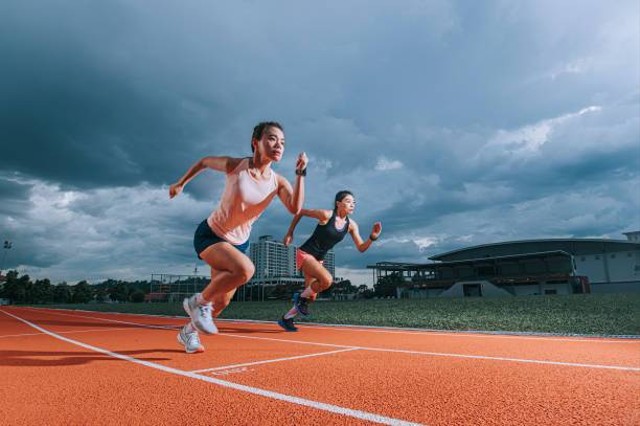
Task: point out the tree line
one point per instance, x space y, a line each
22 290
18 289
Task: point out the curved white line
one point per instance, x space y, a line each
363 415
269 361
367 348
443 354
625 339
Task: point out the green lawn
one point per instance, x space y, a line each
615 314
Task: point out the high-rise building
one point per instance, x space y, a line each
274 260
330 263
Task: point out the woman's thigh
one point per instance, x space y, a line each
313 269
223 257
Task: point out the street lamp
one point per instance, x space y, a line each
6 247
193 281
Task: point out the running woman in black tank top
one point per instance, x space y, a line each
331 229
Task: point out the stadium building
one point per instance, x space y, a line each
530 267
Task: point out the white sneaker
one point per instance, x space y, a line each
190 341
200 315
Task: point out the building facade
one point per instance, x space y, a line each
271 258
276 263
530 267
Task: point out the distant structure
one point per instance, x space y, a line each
174 288
633 236
276 263
272 258
530 267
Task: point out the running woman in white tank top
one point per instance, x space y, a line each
222 239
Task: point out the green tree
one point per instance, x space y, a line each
101 295
42 291
345 286
10 287
82 293
386 286
340 287
24 289
137 296
364 292
120 292
61 293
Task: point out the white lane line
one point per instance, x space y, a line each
363 415
64 332
497 358
137 324
467 333
484 334
268 361
444 354
439 354
299 342
478 334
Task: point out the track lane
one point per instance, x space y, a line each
455 391
393 382
267 414
597 351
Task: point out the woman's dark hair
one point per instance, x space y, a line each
340 196
258 131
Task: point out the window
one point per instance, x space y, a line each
486 271
472 290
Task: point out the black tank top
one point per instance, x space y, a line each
324 237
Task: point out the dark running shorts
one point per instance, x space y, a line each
205 237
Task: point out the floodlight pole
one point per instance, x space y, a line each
195 274
7 246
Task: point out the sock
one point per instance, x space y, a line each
201 300
292 313
307 293
189 328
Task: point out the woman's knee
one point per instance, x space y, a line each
244 272
326 281
322 283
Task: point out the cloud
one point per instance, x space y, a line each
527 141
384 164
453 123
119 232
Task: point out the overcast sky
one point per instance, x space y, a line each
454 123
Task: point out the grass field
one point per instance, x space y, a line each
612 314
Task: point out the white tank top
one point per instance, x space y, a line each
243 201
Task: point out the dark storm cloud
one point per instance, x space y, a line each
81 105
453 122
13 197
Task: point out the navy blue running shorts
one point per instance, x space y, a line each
205 237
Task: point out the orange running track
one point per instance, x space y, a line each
78 368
